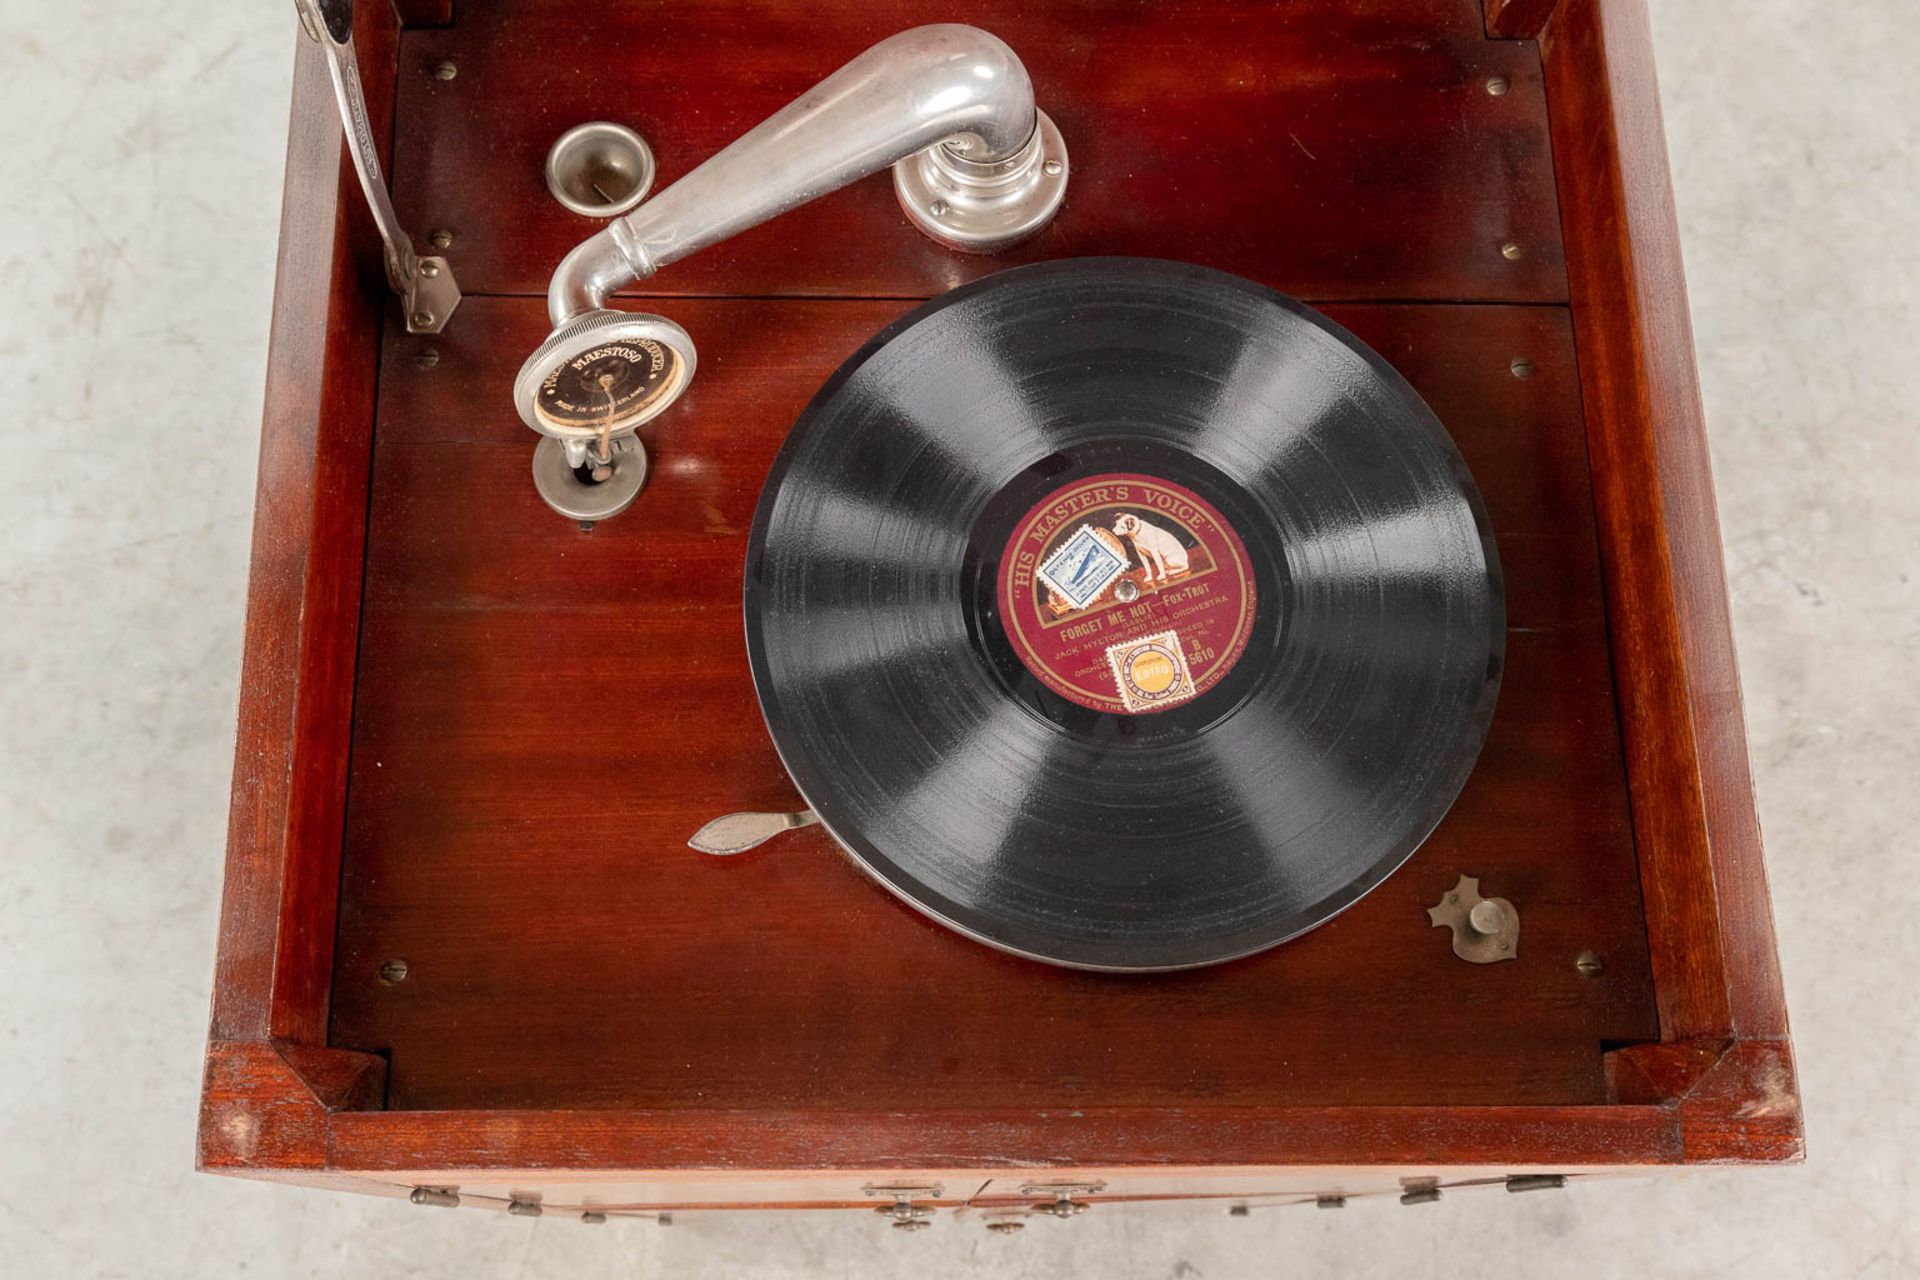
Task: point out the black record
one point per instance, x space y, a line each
1124 614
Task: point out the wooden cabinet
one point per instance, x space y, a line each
474 738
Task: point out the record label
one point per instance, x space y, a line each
1126 593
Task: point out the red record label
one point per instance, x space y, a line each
1125 593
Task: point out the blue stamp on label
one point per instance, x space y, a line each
1080 569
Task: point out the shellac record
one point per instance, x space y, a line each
1124 614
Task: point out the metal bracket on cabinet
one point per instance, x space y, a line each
427 290
903 1214
1419 1190
1485 930
1059 1197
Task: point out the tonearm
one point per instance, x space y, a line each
975 164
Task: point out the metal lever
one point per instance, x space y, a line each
738 832
425 285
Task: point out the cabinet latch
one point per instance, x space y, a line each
1058 1198
903 1214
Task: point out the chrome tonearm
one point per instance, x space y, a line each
975 164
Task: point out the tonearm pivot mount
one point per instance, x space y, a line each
975 165
426 287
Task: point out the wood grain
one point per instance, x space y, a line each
424 13
266 1106
775 1021
1339 150
544 716
1708 913
411 1144
1518 19
1736 1100
275 960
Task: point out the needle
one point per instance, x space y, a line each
602 471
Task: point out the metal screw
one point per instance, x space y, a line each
393 972
523 1208
1497 86
1522 368
445 71
593 1217
939 208
426 357
1588 964
441 238
1330 1202
428 270
1053 168
1511 251
422 319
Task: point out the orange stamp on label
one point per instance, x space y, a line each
1151 671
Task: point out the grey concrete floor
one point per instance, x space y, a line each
140 158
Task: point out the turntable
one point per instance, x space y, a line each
1235 699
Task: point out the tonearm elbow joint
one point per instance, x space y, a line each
975 165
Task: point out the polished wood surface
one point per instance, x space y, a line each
544 715
933 1140
1518 19
482 613
1709 915
274 967
1338 150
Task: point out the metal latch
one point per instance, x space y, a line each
1059 1197
903 1214
426 286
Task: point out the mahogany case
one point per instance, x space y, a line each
474 737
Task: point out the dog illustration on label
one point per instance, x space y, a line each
1161 554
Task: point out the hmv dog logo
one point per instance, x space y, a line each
1161 554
